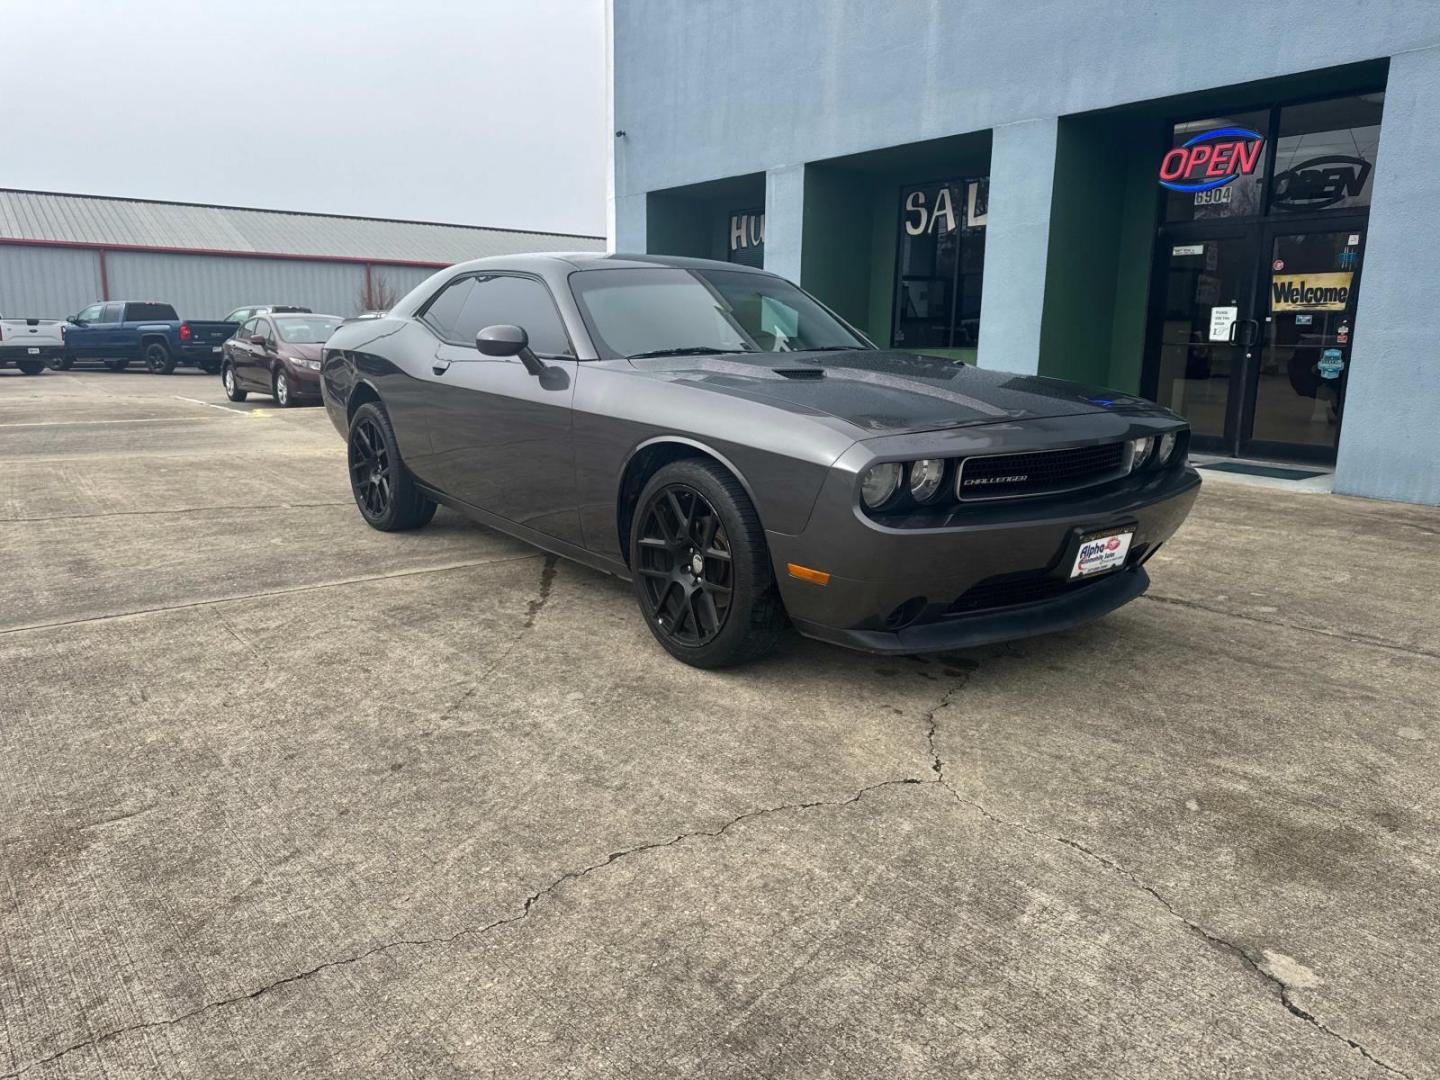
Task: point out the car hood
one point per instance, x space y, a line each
304 350
884 392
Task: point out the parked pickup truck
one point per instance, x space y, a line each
31 343
119 331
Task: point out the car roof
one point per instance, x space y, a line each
550 261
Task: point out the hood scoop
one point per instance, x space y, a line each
800 372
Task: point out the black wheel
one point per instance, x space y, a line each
384 490
701 568
282 392
232 388
117 365
158 359
30 367
61 363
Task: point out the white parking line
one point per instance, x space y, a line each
211 405
88 423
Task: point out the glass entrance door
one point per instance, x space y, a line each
1310 281
1207 329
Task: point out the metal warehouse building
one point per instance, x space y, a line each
1228 207
61 252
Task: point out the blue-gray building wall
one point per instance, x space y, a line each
708 89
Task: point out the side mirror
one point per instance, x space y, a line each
76 320
506 340
257 339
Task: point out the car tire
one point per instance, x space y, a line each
281 390
385 491
158 360
117 365
696 543
61 363
232 388
30 367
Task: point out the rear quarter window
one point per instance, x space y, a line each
150 313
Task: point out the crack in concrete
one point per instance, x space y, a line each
525 909
340 583
1239 951
1353 639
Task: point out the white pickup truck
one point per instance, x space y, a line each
30 343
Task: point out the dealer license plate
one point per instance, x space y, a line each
1100 553
215 348
33 352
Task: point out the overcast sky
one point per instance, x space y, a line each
483 112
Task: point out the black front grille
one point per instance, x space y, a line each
999 475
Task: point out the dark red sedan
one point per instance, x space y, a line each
277 355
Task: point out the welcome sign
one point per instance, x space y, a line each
1310 292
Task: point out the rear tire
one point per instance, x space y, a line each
696 544
157 358
30 367
117 365
384 490
61 363
232 388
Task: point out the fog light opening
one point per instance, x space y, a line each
906 613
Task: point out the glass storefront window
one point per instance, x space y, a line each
1325 154
940 264
1218 157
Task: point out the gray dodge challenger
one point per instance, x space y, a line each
749 461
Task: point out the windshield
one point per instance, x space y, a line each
306 330
667 311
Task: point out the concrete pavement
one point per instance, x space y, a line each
283 795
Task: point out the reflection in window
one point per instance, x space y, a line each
940 264
1325 154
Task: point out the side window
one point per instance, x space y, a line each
443 312
247 329
111 313
266 327
522 301
91 314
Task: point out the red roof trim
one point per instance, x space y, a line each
352 259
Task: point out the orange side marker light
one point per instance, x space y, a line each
804 573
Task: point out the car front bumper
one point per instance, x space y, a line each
998 571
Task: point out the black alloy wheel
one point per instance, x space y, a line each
384 490
232 388
61 363
685 567
701 568
158 359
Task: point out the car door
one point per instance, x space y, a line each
81 334
237 348
263 357
501 438
110 337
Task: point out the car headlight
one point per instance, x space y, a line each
1140 450
925 478
300 361
879 484
1167 447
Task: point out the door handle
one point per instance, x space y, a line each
1251 336
440 366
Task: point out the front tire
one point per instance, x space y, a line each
61 363
117 365
701 567
158 360
232 388
30 367
384 490
283 394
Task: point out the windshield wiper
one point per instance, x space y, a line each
831 348
686 350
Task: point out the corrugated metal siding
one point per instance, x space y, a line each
47 283
209 287
400 278
84 219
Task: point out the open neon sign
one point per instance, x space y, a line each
1212 159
